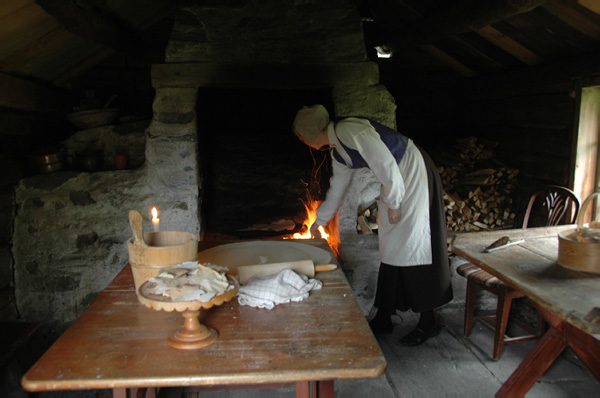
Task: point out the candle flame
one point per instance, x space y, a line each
154 213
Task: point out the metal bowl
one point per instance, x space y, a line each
47 161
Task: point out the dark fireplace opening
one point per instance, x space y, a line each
256 174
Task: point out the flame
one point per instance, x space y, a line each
311 211
332 237
311 205
154 213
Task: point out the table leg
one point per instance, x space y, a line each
134 392
303 389
320 389
325 389
586 346
547 349
119 393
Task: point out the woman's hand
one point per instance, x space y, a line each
314 230
394 215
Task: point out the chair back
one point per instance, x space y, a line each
559 206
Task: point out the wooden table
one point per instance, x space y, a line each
119 344
569 300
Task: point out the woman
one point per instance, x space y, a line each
414 272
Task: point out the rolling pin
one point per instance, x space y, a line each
304 267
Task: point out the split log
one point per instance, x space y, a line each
477 197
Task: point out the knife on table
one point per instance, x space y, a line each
501 244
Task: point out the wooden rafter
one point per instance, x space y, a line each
509 45
561 74
25 95
449 60
491 62
573 17
92 24
459 17
30 51
590 4
83 67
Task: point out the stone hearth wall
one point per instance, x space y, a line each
70 228
280 44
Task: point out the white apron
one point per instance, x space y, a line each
408 242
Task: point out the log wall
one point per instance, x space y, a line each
533 127
534 134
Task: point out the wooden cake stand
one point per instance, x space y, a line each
192 334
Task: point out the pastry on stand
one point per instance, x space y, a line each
192 334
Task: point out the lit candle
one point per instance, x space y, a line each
155 219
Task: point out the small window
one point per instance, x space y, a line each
587 172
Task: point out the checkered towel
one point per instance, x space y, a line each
280 288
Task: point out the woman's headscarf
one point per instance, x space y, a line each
310 121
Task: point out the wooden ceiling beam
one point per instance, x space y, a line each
488 62
592 5
562 74
573 17
448 60
26 53
509 45
25 95
92 24
81 68
458 17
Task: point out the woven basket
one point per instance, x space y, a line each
578 248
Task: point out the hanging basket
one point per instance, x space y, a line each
579 249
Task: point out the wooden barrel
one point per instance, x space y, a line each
161 249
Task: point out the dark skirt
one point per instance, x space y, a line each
421 287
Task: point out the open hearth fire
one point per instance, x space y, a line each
332 233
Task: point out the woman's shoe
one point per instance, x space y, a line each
381 325
418 336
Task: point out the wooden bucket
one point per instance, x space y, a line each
157 250
577 252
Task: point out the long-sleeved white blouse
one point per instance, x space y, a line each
403 185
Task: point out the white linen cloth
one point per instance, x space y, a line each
404 186
280 288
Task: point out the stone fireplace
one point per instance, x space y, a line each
286 55
290 53
257 175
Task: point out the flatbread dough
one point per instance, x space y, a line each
201 283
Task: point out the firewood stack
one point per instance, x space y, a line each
367 220
478 190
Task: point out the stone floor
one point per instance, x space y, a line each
446 365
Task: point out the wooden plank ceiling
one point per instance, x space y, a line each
476 38
48 43
45 44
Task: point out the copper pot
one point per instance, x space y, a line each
47 161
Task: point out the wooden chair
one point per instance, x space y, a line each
559 205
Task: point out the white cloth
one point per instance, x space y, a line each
276 289
403 185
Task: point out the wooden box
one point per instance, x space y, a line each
576 250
